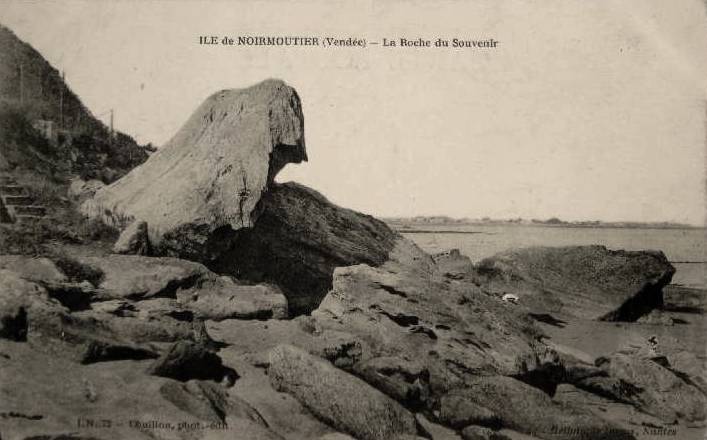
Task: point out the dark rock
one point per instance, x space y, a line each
585 281
298 241
343 401
103 351
13 321
186 360
405 381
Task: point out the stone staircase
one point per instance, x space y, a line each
16 205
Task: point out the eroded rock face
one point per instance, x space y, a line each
590 282
423 334
298 241
212 173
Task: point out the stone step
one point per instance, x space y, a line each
12 190
17 200
27 210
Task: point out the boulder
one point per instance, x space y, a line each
208 401
133 240
223 298
457 410
44 393
626 415
435 431
343 401
190 286
187 360
136 277
526 409
585 281
404 380
652 387
422 334
28 312
41 313
41 270
212 173
298 241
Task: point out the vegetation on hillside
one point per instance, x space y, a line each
31 90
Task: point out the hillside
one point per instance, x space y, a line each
78 143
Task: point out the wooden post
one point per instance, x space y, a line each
22 84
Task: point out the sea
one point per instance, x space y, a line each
685 248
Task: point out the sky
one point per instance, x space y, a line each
584 111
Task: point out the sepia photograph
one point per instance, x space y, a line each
353 220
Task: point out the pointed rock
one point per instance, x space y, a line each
212 173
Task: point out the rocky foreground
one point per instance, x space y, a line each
236 307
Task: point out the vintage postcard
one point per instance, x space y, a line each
371 220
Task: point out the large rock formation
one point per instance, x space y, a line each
209 196
397 343
298 241
421 334
585 281
212 173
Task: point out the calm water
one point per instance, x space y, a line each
684 247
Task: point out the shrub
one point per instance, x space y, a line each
16 128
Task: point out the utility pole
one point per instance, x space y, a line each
111 126
22 84
61 99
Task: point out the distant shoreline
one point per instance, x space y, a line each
422 228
